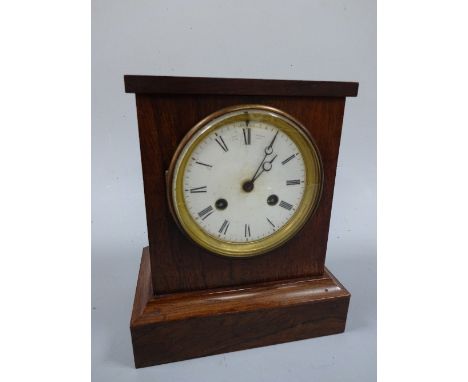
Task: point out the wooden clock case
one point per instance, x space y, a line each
192 303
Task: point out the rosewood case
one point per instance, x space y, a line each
191 303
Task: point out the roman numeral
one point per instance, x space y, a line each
221 142
224 227
247 230
292 182
247 121
247 135
198 190
288 159
203 164
206 212
269 221
286 205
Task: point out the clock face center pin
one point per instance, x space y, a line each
248 186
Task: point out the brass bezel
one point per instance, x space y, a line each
313 190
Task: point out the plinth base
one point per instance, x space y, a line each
185 325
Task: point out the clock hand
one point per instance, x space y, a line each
255 176
269 148
268 151
266 166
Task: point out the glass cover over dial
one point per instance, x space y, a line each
245 180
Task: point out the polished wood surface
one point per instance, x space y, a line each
191 303
144 289
180 265
237 86
185 325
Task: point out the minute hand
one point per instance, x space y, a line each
269 148
268 151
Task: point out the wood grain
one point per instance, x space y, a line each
180 265
237 86
185 325
191 303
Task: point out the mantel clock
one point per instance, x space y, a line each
238 179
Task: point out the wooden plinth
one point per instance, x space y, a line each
179 326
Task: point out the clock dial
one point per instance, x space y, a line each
245 180
240 214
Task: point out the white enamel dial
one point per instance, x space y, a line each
221 165
245 181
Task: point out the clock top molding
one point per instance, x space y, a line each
237 86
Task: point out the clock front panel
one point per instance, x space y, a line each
217 207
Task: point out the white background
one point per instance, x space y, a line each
44 220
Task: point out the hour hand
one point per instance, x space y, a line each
266 166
